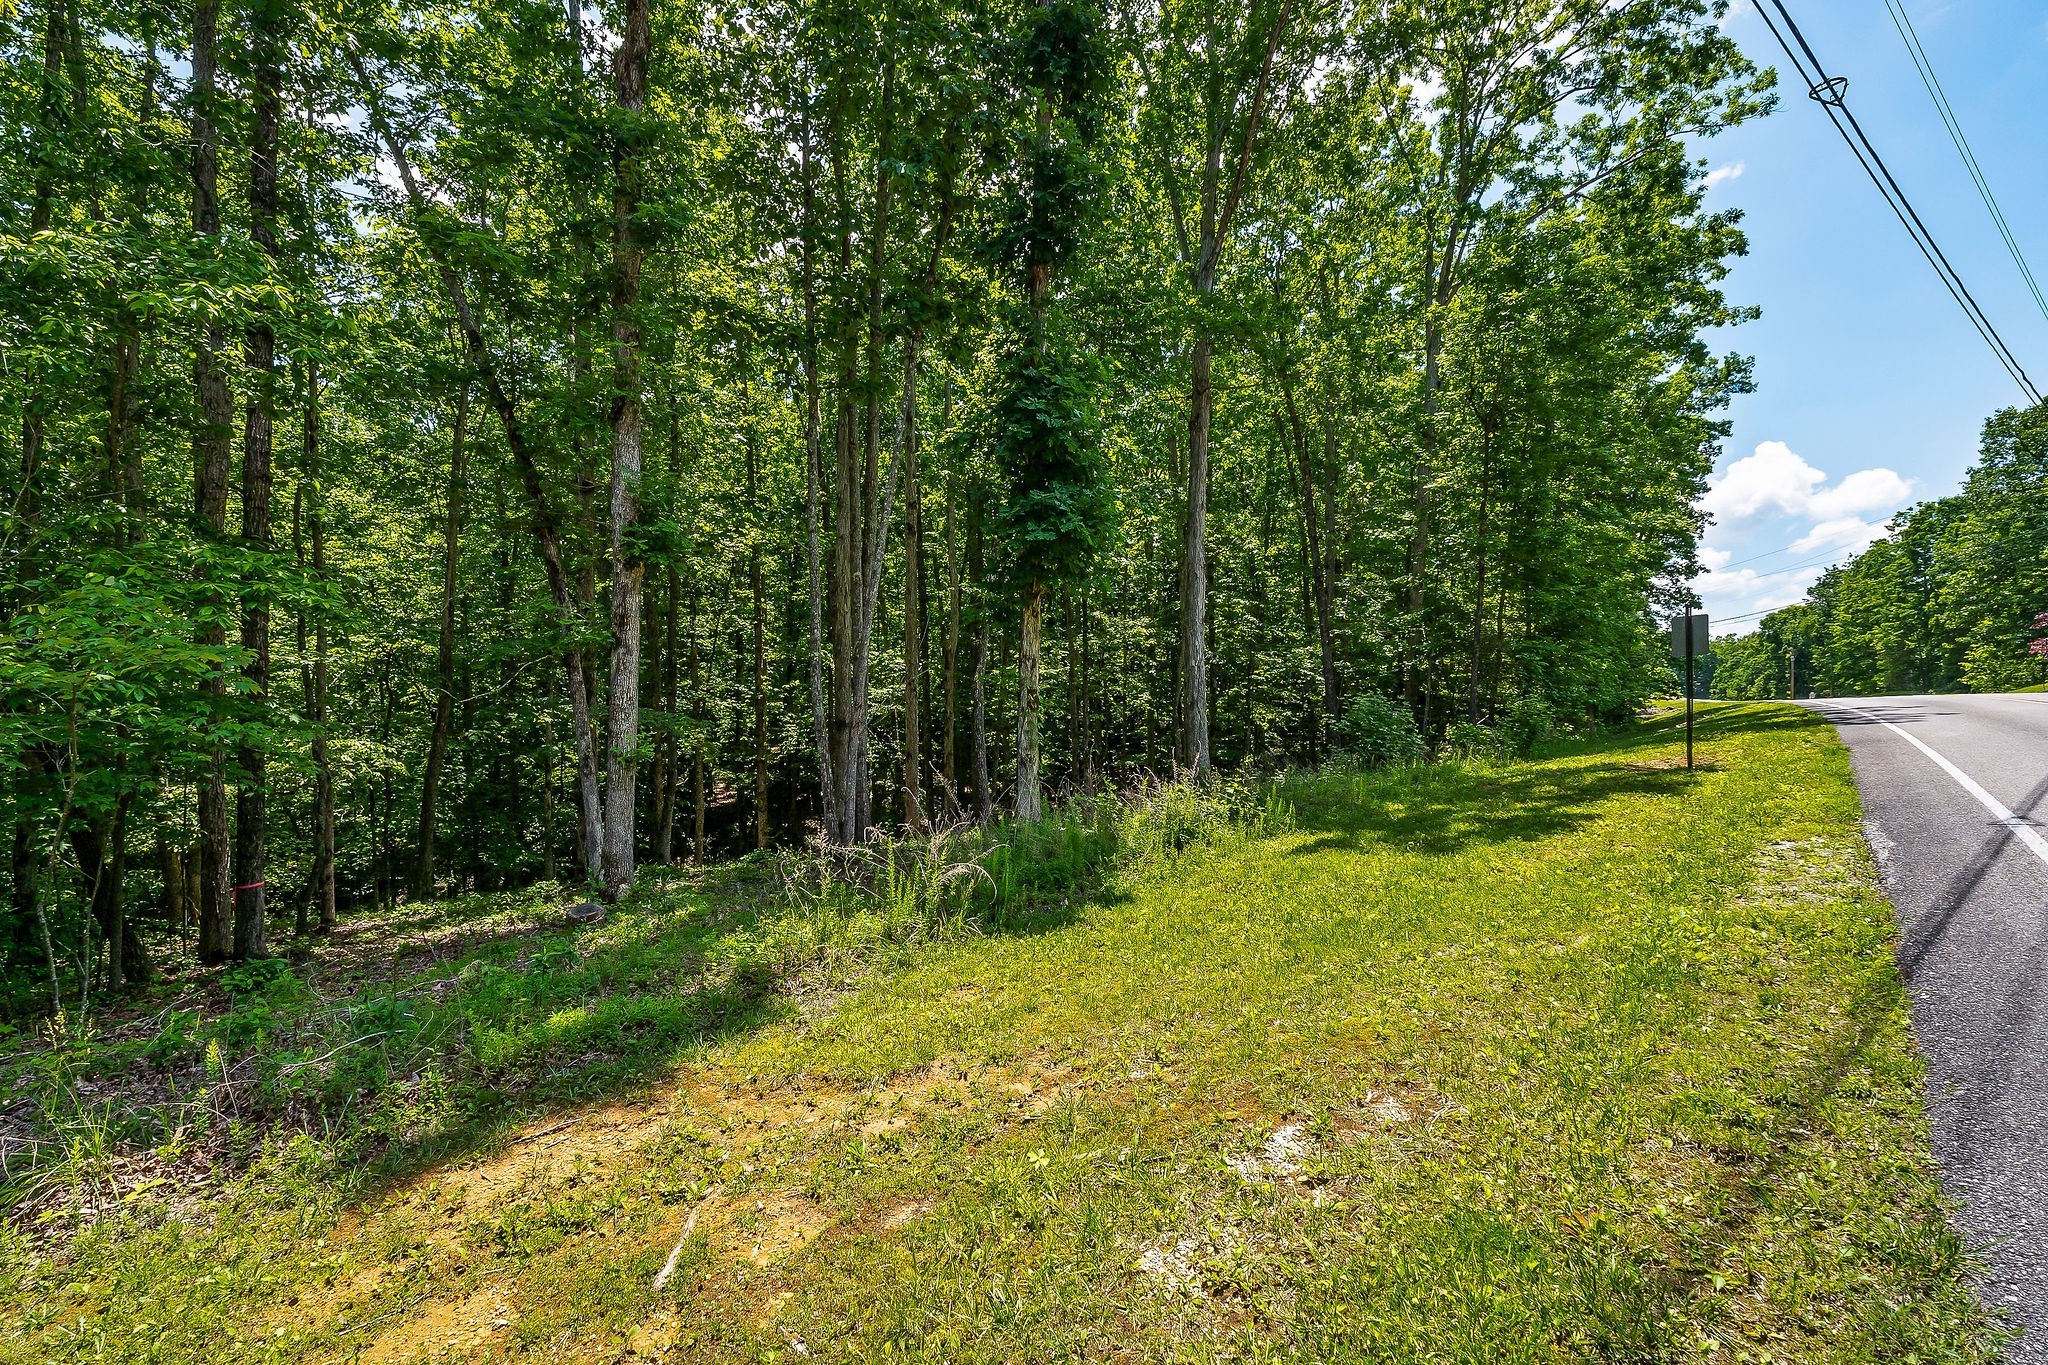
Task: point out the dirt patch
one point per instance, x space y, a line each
1665 765
901 1214
452 1328
591 1143
769 1228
655 1337
1386 1110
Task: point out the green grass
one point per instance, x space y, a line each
1586 1058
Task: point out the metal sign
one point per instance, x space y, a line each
1689 642
1675 632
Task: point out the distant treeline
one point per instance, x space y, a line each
1955 599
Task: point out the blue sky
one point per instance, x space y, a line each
1870 383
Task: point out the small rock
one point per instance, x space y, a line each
584 912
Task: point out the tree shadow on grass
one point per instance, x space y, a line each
1450 808
585 1024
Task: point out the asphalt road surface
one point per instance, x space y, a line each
1957 821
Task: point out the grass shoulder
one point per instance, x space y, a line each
1584 1057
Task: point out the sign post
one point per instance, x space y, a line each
1688 642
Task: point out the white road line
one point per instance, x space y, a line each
2027 834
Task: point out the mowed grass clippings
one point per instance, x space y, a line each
1586 1058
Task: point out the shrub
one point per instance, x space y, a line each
1476 743
1380 731
1527 722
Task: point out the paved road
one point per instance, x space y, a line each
1970 885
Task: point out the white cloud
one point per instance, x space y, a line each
1775 479
1715 559
1730 171
1736 599
1851 534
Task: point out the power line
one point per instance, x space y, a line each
1835 553
1828 92
1904 24
1736 564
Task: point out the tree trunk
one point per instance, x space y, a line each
172 864
665 759
1193 753
949 759
629 570
1218 210
984 794
212 458
821 724
1077 692
1479 585
259 351
1312 531
913 606
1030 796
444 656
697 738
863 499
547 534
316 708
756 579
1415 634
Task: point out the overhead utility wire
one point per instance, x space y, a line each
1915 49
1827 91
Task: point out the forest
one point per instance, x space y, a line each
463 446
1950 601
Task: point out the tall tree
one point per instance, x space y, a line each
629 570
1056 500
212 451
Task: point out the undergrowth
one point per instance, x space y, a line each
387 1075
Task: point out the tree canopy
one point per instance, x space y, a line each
1951 601
460 442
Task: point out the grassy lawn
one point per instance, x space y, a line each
1586 1058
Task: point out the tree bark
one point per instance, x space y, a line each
212 452
259 351
316 701
665 759
757 581
1030 794
864 496
949 758
1479 584
172 865
813 477
1312 531
1414 664
629 568
1218 209
101 847
697 739
984 793
913 606
444 653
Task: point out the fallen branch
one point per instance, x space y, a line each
675 1254
565 1123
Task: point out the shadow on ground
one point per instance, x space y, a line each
1452 808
